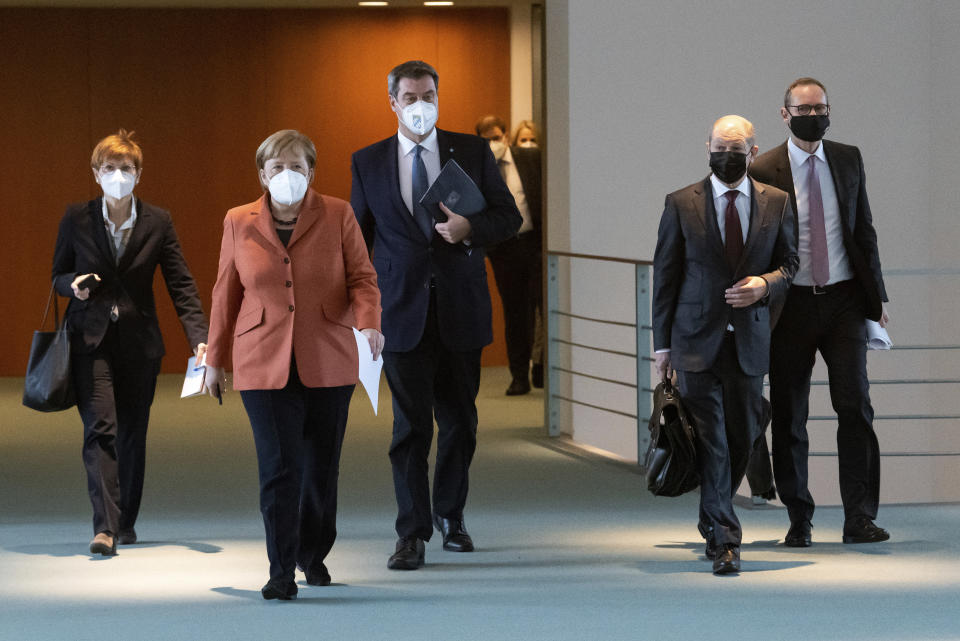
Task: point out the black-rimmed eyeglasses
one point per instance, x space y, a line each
805 110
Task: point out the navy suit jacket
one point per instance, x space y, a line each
83 247
859 235
690 274
407 264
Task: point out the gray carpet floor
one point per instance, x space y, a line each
568 547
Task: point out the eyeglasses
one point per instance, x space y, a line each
805 110
109 168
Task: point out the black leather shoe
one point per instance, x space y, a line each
860 529
455 537
319 576
727 560
798 536
409 554
127 537
518 387
710 550
536 375
283 589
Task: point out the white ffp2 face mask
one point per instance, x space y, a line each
420 117
498 148
288 187
118 184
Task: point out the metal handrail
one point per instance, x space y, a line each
642 325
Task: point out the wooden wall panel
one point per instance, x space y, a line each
202 89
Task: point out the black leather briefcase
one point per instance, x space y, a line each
671 460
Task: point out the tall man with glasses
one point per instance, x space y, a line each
436 303
838 286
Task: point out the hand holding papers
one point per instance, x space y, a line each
369 369
877 337
193 381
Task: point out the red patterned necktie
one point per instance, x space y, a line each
819 259
733 243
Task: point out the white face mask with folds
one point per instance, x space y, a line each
420 117
118 184
498 148
288 187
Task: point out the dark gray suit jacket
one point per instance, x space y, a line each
859 236
690 274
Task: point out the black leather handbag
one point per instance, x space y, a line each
48 386
671 460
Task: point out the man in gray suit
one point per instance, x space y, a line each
726 246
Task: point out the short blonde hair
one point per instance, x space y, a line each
525 124
285 139
118 145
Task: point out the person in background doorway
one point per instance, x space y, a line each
517 261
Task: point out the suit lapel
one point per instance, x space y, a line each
100 232
393 176
758 208
311 211
839 184
264 224
703 205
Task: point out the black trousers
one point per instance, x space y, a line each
298 432
516 268
724 404
833 324
759 468
431 380
114 389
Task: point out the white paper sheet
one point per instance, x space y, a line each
877 337
193 381
369 369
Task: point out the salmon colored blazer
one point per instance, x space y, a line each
272 302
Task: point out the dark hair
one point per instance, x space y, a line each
410 69
799 82
489 122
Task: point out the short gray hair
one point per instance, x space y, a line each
413 69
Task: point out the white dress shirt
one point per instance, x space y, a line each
840 269
431 160
118 239
508 169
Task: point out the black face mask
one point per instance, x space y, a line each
809 128
728 166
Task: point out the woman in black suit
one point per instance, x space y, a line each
107 252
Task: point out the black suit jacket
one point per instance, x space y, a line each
859 235
407 263
690 274
83 247
527 160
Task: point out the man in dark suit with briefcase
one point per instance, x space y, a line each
725 249
436 304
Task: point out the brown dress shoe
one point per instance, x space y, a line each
103 544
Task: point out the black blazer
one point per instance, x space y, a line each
529 167
690 274
407 263
83 247
859 235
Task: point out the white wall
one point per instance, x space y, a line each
633 87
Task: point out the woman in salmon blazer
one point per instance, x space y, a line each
294 278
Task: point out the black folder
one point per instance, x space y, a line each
455 189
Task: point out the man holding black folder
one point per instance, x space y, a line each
436 303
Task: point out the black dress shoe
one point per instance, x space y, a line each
727 560
455 537
518 387
318 576
409 554
860 529
536 375
798 536
283 589
127 537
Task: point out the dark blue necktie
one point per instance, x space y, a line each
420 213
